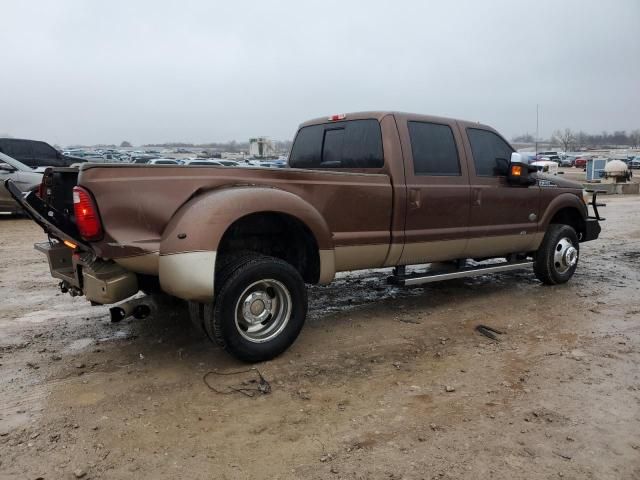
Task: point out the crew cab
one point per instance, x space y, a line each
361 191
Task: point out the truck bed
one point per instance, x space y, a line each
137 202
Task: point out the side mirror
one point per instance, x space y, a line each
519 172
5 167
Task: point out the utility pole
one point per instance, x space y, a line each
537 115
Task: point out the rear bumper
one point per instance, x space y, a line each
100 281
592 230
78 269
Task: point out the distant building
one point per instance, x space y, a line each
261 147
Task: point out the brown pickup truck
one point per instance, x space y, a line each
361 191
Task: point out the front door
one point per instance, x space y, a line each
437 191
503 217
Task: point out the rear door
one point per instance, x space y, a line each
503 217
437 190
359 213
6 200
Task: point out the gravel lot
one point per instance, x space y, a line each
383 383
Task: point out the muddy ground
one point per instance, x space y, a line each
362 393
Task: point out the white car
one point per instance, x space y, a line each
163 161
201 162
25 178
546 166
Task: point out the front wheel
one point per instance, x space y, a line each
260 307
557 258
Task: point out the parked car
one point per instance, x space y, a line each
365 190
22 176
228 163
200 162
635 163
163 161
546 166
567 161
580 162
36 154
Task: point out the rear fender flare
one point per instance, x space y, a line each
190 241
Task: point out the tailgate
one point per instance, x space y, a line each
55 223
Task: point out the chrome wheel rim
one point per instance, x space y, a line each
565 255
263 310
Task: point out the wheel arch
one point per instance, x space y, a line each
566 209
197 230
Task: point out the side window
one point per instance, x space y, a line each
434 149
490 152
43 150
18 149
348 144
307 147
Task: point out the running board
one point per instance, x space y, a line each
420 278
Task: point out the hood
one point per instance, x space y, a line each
555 181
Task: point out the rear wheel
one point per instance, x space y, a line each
557 258
260 307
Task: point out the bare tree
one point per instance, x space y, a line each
634 137
566 137
125 144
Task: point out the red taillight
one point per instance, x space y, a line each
42 190
87 218
335 118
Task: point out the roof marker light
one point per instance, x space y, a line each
335 118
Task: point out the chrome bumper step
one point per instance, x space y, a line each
436 276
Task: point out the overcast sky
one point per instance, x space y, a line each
196 71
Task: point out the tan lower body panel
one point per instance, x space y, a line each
357 257
327 266
188 275
373 256
502 245
146 264
427 252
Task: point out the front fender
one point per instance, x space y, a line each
564 200
190 241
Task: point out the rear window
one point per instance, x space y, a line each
434 149
348 144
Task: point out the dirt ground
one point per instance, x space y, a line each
383 383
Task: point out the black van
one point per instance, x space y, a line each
35 153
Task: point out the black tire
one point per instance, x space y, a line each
225 266
224 321
548 267
196 315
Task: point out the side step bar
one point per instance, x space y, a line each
428 277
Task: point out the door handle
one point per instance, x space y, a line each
414 198
477 197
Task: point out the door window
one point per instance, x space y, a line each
434 149
491 154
